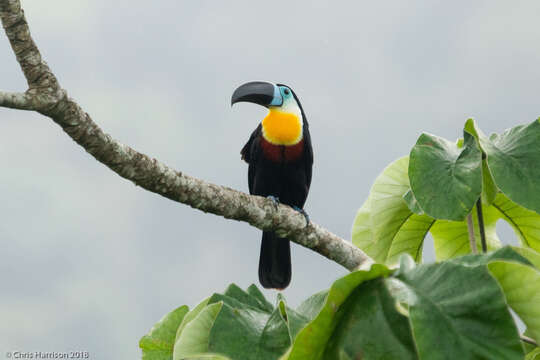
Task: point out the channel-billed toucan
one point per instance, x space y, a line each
280 159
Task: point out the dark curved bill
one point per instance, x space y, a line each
258 92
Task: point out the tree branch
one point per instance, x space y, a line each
20 101
47 97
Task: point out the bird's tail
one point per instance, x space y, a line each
274 262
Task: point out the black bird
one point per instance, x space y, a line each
280 159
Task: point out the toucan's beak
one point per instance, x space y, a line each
258 92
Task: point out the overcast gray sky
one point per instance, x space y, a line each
90 262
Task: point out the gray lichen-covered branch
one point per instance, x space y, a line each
45 95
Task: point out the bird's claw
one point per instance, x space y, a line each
303 212
275 200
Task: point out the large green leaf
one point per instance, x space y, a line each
318 338
457 312
526 223
451 238
489 189
158 343
239 325
384 226
393 219
521 286
513 159
449 310
454 310
371 327
446 180
194 337
190 316
410 238
246 334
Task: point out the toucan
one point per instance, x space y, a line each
280 158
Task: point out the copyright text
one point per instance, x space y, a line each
48 355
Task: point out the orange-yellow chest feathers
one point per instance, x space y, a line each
282 126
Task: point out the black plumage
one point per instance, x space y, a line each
283 172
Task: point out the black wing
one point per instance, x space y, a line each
250 154
308 153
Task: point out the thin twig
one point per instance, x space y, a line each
472 239
481 224
528 340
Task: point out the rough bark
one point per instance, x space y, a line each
46 96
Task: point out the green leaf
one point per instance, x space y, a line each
159 342
529 254
392 220
521 286
506 253
445 179
371 327
474 130
246 329
381 216
489 189
451 238
384 226
253 298
534 354
237 324
412 204
190 316
295 321
310 307
457 312
406 263
242 332
194 339
513 159
410 238
313 340
526 223
258 295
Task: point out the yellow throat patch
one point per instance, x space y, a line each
282 128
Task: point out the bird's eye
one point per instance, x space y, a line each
286 92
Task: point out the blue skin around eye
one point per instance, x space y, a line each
278 99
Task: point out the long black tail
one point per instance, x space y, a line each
274 262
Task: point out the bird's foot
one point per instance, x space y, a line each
275 200
303 212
